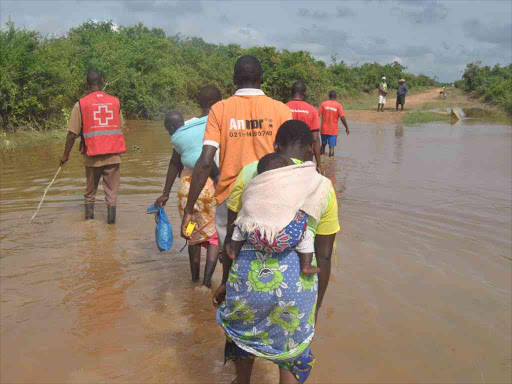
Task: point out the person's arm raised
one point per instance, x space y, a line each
323 249
200 175
175 166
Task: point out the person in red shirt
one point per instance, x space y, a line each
331 110
303 111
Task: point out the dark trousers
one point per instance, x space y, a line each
111 179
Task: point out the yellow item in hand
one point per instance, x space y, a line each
190 228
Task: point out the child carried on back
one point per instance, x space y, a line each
305 248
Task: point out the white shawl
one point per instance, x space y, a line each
271 200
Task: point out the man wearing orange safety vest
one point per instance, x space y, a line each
97 118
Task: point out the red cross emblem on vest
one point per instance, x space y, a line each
103 115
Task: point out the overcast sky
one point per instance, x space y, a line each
433 37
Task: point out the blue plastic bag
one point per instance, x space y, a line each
163 230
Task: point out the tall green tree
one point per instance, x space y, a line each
150 72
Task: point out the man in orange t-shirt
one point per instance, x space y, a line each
331 110
303 111
243 128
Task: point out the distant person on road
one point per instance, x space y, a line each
187 140
442 93
383 91
331 110
303 111
243 128
98 120
400 94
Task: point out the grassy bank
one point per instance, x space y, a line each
471 104
150 72
492 85
461 99
417 117
9 141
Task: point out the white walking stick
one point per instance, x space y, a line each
44 195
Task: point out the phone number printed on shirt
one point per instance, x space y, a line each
250 134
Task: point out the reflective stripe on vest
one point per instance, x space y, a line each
103 133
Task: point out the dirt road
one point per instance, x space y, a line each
390 116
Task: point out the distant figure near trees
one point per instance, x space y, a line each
400 94
98 120
383 91
331 110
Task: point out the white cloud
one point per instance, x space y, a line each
417 31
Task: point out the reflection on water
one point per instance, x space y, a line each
397 145
422 292
483 113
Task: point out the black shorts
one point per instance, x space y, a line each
400 99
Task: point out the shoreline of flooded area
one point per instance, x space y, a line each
421 293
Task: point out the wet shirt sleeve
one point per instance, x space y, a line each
75 120
213 127
329 222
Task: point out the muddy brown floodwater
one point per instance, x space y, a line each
421 293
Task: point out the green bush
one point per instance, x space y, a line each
493 84
42 78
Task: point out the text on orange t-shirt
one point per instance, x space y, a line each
330 110
243 128
305 112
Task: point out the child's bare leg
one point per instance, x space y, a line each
305 264
194 255
233 248
212 254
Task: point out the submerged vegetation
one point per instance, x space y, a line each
42 77
417 117
29 138
494 84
